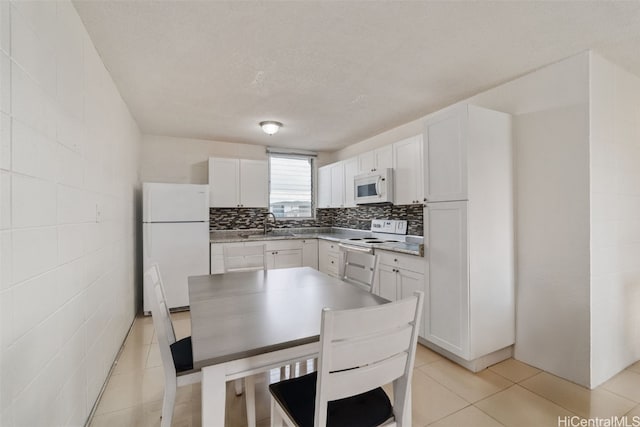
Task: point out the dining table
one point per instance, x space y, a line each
246 323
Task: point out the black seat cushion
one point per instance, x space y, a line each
182 354
297 396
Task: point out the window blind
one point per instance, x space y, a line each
290 192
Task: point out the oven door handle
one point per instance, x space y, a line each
355 248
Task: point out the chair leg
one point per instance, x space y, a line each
250 397
238 385
167 403
276 418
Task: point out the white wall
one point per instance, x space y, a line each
552 223
615 218
186 161
68 174
551 148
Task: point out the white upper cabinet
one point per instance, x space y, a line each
407 170
324 187
331 186
377 159
350 171
254 183
466 151
238 183
224 182
337 185
445 152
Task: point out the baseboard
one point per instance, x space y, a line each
106 381
475 365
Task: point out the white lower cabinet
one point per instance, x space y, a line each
469 300
277 253
329 257
217 258
447 296
310 253
399 276
282 253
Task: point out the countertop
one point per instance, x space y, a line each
413 246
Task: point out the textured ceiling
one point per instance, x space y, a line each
333 72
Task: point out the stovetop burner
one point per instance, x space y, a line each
365 240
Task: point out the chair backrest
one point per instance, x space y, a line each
161 317
365 348
243 258
360 268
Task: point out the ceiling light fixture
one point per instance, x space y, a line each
270 127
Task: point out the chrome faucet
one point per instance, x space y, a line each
266 220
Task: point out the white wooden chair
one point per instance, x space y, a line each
177 356
243 258
360 350
360 268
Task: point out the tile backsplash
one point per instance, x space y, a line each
246 218
359 218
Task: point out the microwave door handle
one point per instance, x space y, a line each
378 186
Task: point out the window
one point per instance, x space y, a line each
290 193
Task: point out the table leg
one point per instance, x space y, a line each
213 396
250 397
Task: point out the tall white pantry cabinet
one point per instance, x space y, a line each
470 302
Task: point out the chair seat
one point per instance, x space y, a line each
182 354
297 397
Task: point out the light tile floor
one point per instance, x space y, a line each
444 394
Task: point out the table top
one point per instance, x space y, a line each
243 314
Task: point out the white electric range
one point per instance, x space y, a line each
382 231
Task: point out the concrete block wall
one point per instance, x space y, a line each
68 186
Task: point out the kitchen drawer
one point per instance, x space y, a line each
333 264
329 246
405 262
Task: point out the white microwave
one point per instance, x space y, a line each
374 187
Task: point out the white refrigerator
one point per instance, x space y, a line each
175 233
